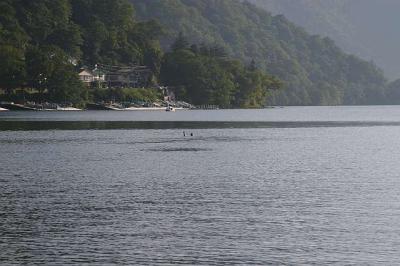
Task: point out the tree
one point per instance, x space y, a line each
50 71
64 85
209 78
12 70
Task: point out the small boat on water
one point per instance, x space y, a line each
170 109
3 109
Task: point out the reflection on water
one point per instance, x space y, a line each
108 125
287 114
242 193
179 149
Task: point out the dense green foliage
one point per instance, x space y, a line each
314 69
37 41
43 42
112 36
205 75
127 95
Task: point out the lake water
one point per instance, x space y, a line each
293 185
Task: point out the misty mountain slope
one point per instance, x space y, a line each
368 28
314 69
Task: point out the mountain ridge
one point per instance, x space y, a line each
366 28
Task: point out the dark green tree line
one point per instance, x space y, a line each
43 43
206 76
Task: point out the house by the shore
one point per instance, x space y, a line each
85 76
92 77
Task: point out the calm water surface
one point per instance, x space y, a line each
298 185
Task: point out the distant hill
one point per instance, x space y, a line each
366 28
314 69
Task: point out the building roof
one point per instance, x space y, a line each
85 72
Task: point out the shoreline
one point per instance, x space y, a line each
72 109
90 107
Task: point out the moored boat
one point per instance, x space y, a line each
16 107
144 109
59 108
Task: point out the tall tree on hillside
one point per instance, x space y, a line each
13 41
12 69
50 71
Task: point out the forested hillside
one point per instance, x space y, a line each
314 69
43 43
